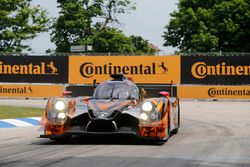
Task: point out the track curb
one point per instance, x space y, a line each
19 122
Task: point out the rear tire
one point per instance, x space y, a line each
169 134
179 115
175 131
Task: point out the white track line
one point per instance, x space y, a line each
35 118
17 122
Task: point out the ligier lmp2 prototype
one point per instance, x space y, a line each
117 106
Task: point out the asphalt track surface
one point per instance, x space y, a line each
212 134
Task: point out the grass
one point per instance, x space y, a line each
19 112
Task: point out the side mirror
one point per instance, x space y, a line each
86 99
67 93
163 93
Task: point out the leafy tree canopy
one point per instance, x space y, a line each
141 45
212 25
19 22
81 20
113 41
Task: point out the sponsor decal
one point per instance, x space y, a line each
143 69
213 92
201 70
31 69
34 69
215 70
16 90
89 70
23 90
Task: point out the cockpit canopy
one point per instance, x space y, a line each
116 90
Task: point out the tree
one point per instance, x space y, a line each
213 25
75 23
141 45
112 8
80 20
19 22
111 40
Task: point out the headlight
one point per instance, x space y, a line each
147 106
58 111
148 117
60 105
61 116
149 113
154 116
143 116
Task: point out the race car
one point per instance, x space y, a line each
118 106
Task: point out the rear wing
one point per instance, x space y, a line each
81 90
152 90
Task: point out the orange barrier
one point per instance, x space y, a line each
28 90
143 69
214 92
215 70
203 74
34 69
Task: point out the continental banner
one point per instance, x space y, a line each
34 69
219 70
214 92
23 90
143 69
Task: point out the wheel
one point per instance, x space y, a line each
168 134
179 114
175 131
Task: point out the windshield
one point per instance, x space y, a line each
116 90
